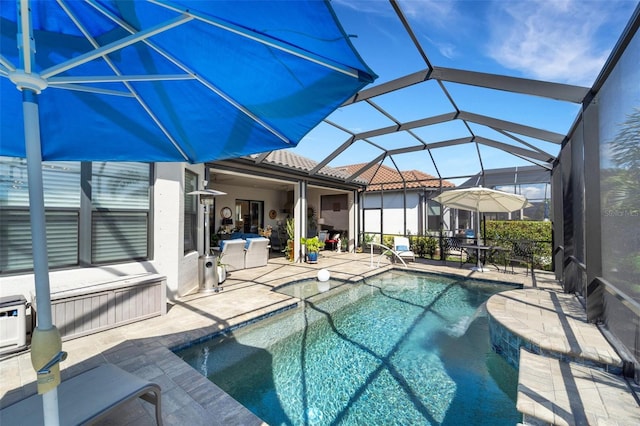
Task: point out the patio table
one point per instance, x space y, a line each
487 252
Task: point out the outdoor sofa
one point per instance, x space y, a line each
240 254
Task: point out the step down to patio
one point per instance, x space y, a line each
548 323
567 393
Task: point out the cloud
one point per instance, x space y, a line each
436 12
550 40
364 8
437 21
534 192
446 49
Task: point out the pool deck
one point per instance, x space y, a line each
143 348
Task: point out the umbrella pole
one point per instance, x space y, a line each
46 343
478 262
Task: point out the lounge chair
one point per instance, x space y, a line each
232 252
402 248
257 252
87 397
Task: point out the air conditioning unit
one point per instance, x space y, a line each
13 323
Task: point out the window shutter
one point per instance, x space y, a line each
118 236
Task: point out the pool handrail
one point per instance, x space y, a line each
395 253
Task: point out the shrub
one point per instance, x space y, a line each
504 232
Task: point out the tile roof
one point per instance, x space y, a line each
285 158
386 178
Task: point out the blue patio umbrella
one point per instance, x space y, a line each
109 80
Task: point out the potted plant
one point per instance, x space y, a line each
222 269
291 231
312 246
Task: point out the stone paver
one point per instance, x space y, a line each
555 323
562 393
569 380
143 348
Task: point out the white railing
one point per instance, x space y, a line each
384 252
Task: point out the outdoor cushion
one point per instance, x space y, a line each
257 252
246 245
223 242
401 246
243 235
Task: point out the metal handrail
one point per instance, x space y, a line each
578 262
395 253
624 298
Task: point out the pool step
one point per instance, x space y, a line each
548 323
554 392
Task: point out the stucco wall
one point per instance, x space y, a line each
167 236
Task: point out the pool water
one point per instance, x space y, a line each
398 349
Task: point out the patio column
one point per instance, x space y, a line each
300 215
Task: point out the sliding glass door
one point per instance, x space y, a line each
249 215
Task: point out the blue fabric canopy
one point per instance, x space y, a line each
175 81
108 80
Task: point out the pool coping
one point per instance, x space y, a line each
188 397
568 372
548 323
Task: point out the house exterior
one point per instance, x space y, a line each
107 223
532 182
399 202
116 228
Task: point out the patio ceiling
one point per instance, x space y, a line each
408 115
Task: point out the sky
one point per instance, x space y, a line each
564 41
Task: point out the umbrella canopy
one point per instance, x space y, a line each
207 193
172 81
479 199
484 200
185 81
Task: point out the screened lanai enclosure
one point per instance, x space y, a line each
439 116
578 145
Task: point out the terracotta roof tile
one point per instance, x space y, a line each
384 177
287 159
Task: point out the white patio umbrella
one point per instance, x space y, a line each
483 200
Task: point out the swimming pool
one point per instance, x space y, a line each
398 348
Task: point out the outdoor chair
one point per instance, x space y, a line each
522 253
332 241
232 252
402 248
452 246
278 240
257 252
322 237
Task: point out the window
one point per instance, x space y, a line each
433 215
249 215
95 213
190 212
120 216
